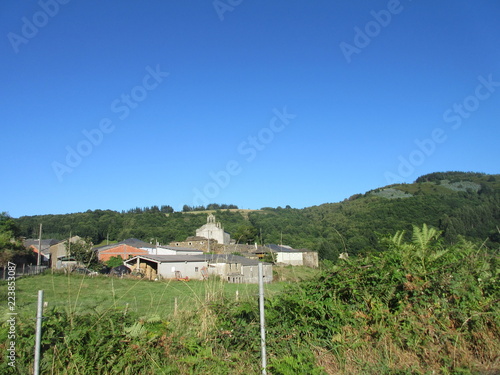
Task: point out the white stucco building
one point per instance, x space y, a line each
287 255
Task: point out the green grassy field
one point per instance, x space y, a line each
81 293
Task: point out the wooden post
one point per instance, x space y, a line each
39 247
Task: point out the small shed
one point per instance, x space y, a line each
169 266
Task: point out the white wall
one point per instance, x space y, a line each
251 273
164 251
187 269
294 259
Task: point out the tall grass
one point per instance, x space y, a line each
106 325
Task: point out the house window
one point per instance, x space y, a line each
195 269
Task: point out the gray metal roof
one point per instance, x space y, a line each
134 242
169 258
282 249
250 249
210 258
46 244
196 238
178 248
137 243
230 258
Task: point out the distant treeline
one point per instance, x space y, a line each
454 176
166 209
210 207
354 225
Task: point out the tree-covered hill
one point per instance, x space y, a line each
457 203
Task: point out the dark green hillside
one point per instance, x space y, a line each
100 225
457 203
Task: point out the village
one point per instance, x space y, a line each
211 251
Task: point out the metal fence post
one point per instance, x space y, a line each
38 338
262 320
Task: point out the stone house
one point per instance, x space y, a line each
201 243
60 253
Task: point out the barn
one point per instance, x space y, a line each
230 268
169 266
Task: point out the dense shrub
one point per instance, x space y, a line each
436 307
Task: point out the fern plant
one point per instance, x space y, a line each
421 255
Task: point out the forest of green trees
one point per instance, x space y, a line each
458 204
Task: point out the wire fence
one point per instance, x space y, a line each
24 270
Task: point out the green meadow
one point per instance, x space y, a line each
76 293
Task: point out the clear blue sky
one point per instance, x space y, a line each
118 104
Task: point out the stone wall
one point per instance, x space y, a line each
310 259
200 244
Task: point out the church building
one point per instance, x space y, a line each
213 230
